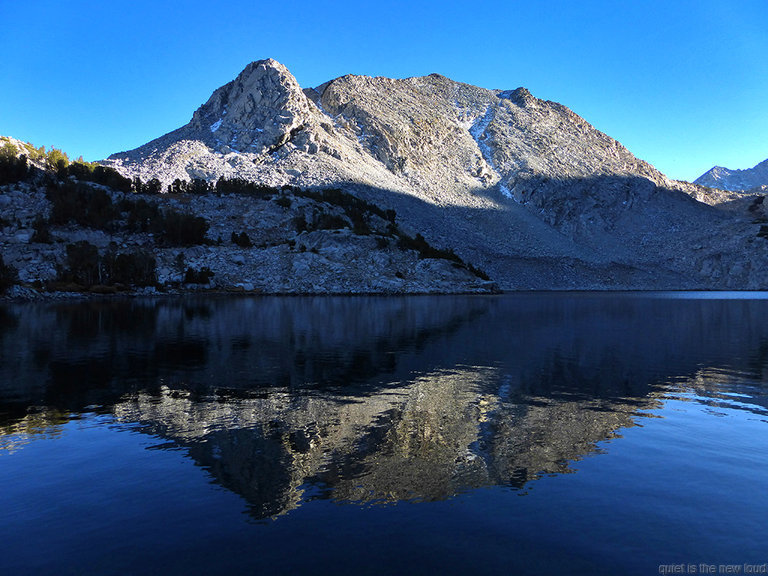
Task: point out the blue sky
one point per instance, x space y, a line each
683 84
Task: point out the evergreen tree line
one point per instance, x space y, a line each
15 167
226 186
80 203
86 267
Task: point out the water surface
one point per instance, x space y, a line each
529 433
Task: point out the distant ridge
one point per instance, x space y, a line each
735 180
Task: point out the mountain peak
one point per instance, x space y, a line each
520 96
253 112
735 180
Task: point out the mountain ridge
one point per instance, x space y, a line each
521 188
265 90
735 180
524 187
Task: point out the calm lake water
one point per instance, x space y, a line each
517 434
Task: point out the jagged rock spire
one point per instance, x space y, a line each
255 112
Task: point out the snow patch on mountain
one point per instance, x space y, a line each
506 192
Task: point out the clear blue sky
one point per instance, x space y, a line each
683 84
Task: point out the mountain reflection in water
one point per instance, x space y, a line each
284 400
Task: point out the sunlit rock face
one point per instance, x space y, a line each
522 187
261 127
431 135
258 110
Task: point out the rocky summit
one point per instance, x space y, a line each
498 183
755 178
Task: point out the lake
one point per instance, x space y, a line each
532 433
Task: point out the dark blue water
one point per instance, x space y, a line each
519 434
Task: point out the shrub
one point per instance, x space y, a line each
92 172
178 262
478 272
42 232
358 211
425 249
346 201
199 186
180 229
111 178
142 216
56 159
177 187
195 186
136 268
241 239
82 264
300 223
154 186
8 276
283 201
202 276
81 170
36 154
8 148
86 267
172 227
13 168
360 224
80 203
325 221
244 187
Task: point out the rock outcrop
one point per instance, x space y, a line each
292 242
736 180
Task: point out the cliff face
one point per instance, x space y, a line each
523 188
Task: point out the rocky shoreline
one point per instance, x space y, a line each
22 294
